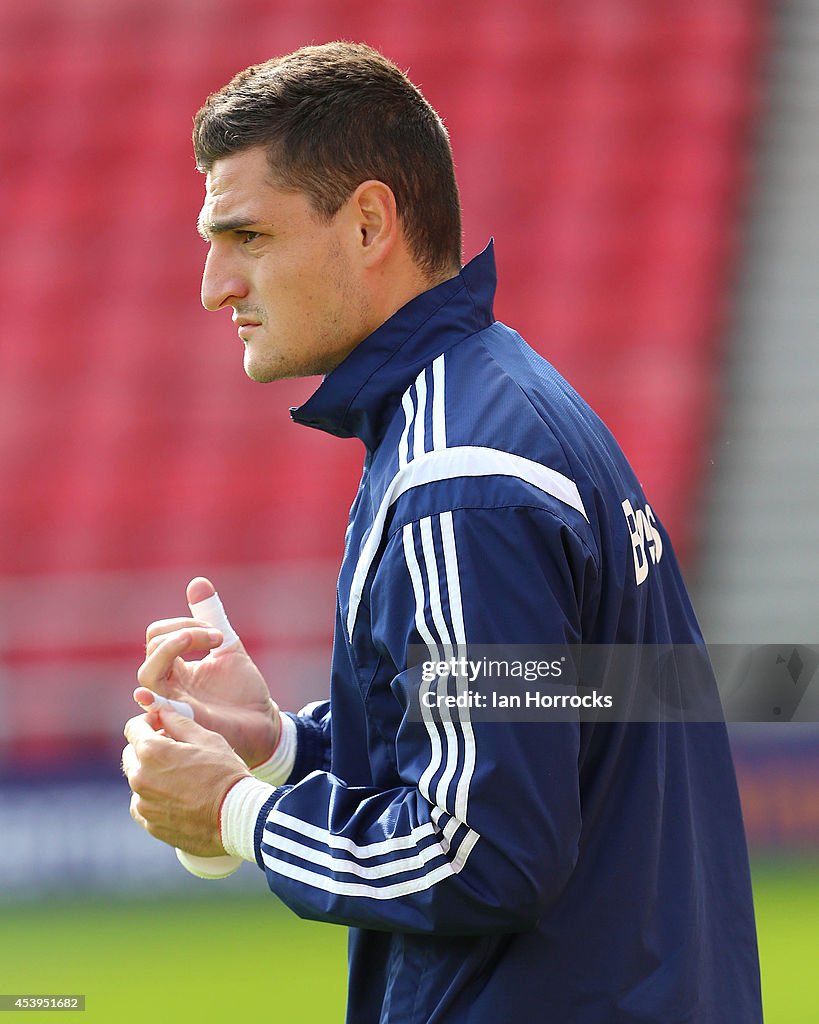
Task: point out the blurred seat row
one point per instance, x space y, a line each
603 144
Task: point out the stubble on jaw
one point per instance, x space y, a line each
341 328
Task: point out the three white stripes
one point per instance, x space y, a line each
414 418
415 415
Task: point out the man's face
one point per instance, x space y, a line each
289 276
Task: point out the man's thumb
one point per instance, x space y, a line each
210 609
180 727
199 589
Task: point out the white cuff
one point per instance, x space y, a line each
277 768
240 812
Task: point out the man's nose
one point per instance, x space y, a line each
221 283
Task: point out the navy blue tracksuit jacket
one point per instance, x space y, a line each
490 872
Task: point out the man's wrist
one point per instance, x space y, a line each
279 766
239 814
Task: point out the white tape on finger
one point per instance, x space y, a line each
180 706
212 611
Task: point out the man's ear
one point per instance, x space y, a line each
374 213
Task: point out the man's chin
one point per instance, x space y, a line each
259 376
262 373
266 373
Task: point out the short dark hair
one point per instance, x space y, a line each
335 115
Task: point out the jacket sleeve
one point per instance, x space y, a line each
313 739
482 832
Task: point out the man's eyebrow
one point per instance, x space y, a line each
208 229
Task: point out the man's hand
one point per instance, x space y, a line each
179 777
225 689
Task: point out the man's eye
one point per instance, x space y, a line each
249 236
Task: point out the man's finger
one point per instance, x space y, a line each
209 608
130 761
150 701
202 638
162 627
181 727
134 809
138 729
158 665
199 589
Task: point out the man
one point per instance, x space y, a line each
594 872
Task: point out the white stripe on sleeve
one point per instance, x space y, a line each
438 406
343 856
418 439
